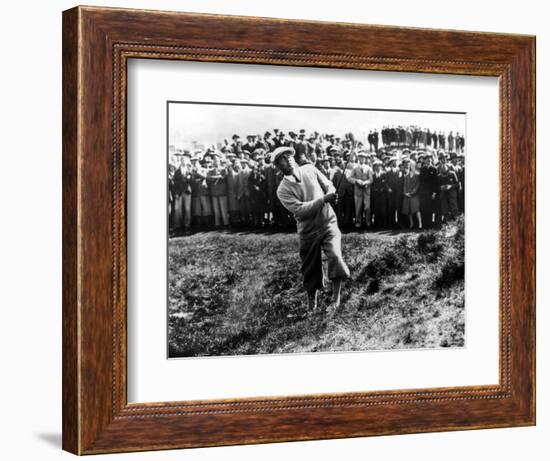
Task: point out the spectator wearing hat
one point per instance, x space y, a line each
201 207
456 166
394 182
370 139
460 143
428 190
250 145
301 149
217 184
411 203
280 140
361 178
448 186
270 173
379 197
233 170
434 139
323 165
442 139
413 159
460 174
182 196
268 142
257 187
376 140
451 142
236 145
243 193
340 179
171 194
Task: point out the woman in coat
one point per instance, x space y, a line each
411 202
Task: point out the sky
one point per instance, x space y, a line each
212 123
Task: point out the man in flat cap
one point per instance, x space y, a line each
307 194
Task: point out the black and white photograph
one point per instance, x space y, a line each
313 229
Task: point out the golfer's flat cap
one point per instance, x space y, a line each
281 151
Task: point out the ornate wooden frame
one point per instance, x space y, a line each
97 43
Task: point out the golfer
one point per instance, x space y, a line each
306 193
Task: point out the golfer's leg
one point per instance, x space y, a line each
337 268
336 288
312 270
312 300
332 245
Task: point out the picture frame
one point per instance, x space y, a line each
97 44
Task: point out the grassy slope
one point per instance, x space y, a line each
241 294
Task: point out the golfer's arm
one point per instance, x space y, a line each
297 208
326 183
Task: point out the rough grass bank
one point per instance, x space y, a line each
235 294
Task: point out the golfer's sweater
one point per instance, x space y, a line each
303 197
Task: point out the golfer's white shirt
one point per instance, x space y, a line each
304 198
